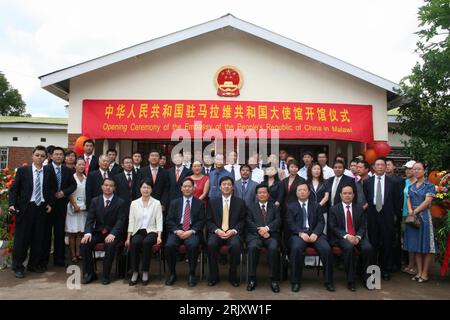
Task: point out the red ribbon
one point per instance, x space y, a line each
444 266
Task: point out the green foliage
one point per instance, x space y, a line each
11 103
425 113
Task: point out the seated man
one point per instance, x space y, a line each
185 223
263 227
105 223
225 223
348 223
306 223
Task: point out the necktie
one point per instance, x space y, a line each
305 215
130 182
378 197
226 216
86 169
244 187
58 178
37 188
187 216
232 171
107 203
283 166
264 213
105 175
177 176
207 171
333 190
350 228
154 170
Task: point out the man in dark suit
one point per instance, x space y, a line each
225 223
306 222
90 159
336 183
114 168
384 203
137 160
95 179
177 174
105 223
31 199
126 185
159 178
348 224
263 229
245 188
208 165
56 220
185 223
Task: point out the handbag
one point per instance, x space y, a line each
413 221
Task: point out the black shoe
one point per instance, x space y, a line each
351 286
192 281
19 274
330 287
234 282
212 283
106 281
386 276
275 286
60 264
251 285
37 269
295 287
132 283
145 282
88 278
171 279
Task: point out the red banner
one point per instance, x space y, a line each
158 119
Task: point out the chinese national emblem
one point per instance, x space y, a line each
228 81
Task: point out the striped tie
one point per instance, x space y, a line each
58 178
37 188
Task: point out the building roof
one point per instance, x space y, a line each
46 123
58 82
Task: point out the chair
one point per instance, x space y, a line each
224 249
182 250
101 247
156 248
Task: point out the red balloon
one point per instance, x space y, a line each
370 155
382 148
78 147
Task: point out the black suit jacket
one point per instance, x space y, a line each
21 190
276 192
111 218
344 181
122 189
116 169
176 212
255 220
392 196
237 211
94 185
93 164
294 218
161 187
338 221
175 186
291 195
210 170
68 183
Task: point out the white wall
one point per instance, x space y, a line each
32 137
186 71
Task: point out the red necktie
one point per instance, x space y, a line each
187 216
86 169
264 213
350 228
130 182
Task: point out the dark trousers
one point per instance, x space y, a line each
235 249
192 245
381 234
297 259
273 258
55 226
110 251
141 244
29 234
349 254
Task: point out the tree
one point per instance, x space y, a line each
11 103
425 113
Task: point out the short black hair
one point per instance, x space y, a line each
339 162
40 148
308 153
225 179
136 152
380 158
245 166
356 160
126 157
109 179
155 151
50 149
188 179
80 159
69 152
58 148
111 150
301 184
146 181
261 185
293 162
348 185
366 164
88 141
390 160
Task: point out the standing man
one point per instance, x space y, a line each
126 185
245 187
384 203
263 230
233 167
185 222
283 163
137 160
114 168
307 160
257 174
215 176
348 224
336 183
56 220
177 174
31 199
207 165
327 171
362 169
89 157
225 223
187 159
306 223
95 179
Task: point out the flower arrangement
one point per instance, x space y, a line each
7 222
442 196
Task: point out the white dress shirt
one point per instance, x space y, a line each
344 205
103 173
327 172
265 207
303 172
257 175
237 170
110 199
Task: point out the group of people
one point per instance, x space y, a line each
222 207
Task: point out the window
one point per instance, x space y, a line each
43 139
3 157
15 139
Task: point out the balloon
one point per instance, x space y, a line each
433 178
370 155
78 147
382 148
437 211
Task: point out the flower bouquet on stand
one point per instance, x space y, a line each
7 221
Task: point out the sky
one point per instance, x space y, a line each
39 37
